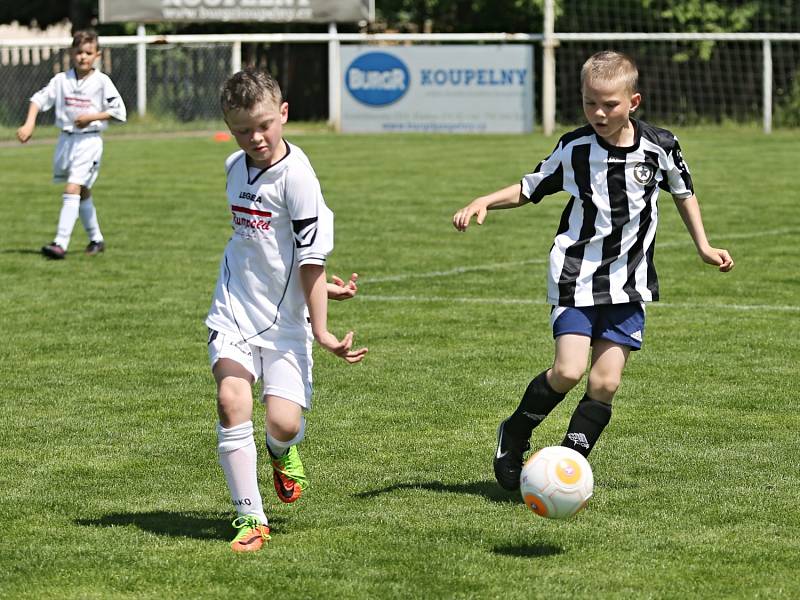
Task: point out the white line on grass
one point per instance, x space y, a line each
525 301
537 261
454 271
729 236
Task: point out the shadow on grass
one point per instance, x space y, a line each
485 489
198 526
22 251
528 550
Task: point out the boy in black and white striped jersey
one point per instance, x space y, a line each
601 263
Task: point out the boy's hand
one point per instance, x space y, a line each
82 121
339 290
462 218
24 133
342 349
717 256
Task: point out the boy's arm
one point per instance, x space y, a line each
83 120
315 288
25 132
508 197
689 210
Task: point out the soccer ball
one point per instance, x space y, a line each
556 482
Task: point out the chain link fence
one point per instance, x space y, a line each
182 80
691 83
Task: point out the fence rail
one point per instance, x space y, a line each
139 52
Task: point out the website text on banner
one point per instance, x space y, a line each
282 11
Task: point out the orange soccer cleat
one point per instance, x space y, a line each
289 476
252 534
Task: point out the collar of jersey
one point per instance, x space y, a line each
80 81
251 181
637 137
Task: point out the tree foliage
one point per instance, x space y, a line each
517 16
463 16
597 15
44 13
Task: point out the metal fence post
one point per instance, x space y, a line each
236 56
334 87
549 70
141 71
767 85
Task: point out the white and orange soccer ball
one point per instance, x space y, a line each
556 482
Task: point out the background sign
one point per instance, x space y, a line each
279 11
450 89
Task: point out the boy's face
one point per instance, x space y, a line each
608 106
259 130
84 57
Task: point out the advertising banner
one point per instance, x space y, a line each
277 11
448 89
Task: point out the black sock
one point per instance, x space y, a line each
586 425
537 402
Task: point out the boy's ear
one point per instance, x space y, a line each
284 111
636 100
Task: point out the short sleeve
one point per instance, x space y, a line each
677 179
46 97
112 101
312 220
546 179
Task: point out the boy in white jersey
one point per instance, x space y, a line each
601 263
84 99
270 300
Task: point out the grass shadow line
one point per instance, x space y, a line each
200 526
528 550
485 489
22 251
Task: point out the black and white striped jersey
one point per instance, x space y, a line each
603 250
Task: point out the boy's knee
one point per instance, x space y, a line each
284 427
232 404
603 387
564 377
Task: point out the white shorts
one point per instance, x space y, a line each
283 373
77 158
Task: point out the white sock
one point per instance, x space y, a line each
89 219
237 456
279 448
67 218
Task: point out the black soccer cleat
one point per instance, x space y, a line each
95 248
54 251
508 459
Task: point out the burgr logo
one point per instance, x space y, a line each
377 79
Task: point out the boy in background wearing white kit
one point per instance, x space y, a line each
270 301
85 100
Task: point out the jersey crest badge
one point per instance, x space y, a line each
643 173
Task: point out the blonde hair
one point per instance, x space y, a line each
610 65
245 89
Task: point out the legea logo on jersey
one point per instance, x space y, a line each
377 78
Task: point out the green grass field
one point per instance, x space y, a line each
109 485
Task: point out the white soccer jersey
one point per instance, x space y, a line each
73 97
280 221
603 250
